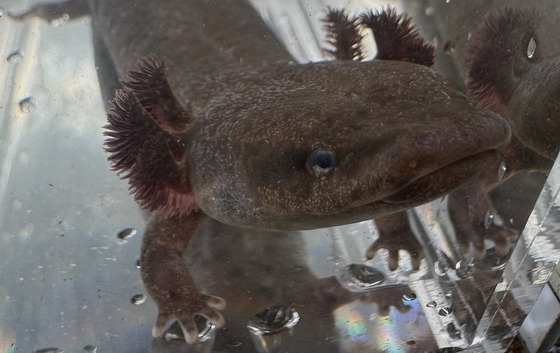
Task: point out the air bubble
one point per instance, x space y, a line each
90 349
531 48
445 311
440 269
272 320
453 332
49 350
431 304
15 57
464 268
366 275
138 299
502 170
127 233
234 343
488 219
57 22
27 104
408 297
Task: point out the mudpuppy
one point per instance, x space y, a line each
214 119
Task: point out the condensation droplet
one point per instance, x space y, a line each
90 349
445 311
57 22
15 57
138 299
49 350
408 297
273 320
464 268
502 170
531 48
488 219
126 233
439 268
431 304
27 104
365 275
453 332
234 343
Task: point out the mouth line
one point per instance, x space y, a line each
441 181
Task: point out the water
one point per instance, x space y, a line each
55 181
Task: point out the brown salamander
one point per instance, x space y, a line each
231 128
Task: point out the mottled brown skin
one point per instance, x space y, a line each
509 73
502 78
232 129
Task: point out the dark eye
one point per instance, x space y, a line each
321 162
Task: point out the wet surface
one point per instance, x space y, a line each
71 237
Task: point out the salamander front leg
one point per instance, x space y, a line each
394 235
167 278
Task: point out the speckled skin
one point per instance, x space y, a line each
401 134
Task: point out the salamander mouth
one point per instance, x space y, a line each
445 179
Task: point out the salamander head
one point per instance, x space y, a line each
336 143
514 70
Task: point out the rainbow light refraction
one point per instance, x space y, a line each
360 328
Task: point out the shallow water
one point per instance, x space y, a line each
71 234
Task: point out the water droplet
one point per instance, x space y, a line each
531 48
408 297
15 57
126 233
27 104
205 328
49 350
138 299
90 349
273 320
138 264
448 295
464 268
57 22
364 277
431 304
453 332
429 11
439 268
445 311
488 219
234 343
540 275
502 170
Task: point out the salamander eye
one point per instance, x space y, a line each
321 162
